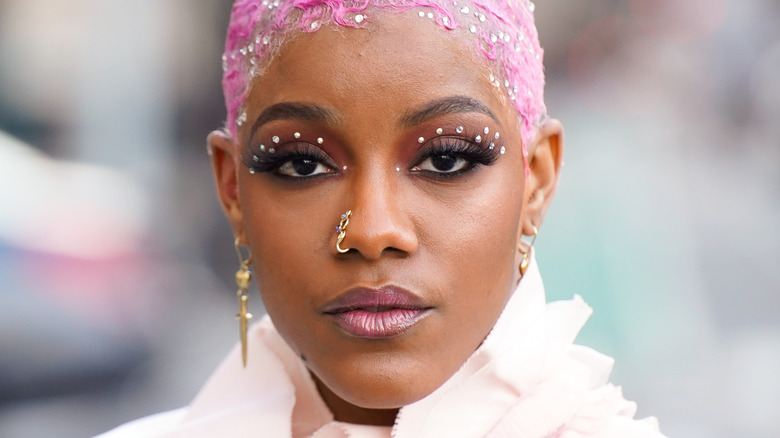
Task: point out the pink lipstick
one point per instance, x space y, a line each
377 313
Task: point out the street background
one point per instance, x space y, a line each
116 265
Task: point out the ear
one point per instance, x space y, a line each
224 162
545 156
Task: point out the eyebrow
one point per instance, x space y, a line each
294 111
445 106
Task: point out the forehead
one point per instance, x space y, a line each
392 64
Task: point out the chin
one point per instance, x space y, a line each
381 388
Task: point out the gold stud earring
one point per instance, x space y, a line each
526 253
243 277
342 230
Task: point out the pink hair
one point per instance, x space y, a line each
504 32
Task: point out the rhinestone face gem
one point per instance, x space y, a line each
502 150
478 138
252 171
459 130
272 150
262 147
430 15
473 29
421 140
497 136
255 158
359 19
492 146
439 131
275 139
464 10
320 140
421 14
486 130
297 135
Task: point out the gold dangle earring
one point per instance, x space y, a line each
526 253
243 277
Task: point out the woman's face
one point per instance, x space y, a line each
384 122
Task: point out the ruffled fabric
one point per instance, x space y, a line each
527 380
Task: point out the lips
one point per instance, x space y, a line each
377 313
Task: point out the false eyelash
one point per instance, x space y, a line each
263 161
477 153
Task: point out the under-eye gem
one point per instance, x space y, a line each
430 15
255 157
271 150
266 39
482 17
532 7
397 169
275 139
492 146
252 171
506 83
473 29
459 129
344 168
502 150
445 20
421 140
478 138
439 131
497 136
297 135
486 130
320 140
315 25
358 18
507 37
421 14
262 147
464 10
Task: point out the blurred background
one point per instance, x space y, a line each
116 266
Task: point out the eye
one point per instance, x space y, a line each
444 163
302 167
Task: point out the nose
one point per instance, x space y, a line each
379 225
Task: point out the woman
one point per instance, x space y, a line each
381 164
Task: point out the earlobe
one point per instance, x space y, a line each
545 155
224 163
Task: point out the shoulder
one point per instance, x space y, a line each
148 427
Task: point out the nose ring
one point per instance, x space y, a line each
342 230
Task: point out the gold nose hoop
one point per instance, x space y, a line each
342 230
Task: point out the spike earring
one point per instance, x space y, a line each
342 230
243 277
526 253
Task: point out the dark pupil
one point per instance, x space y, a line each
444 163
304 166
